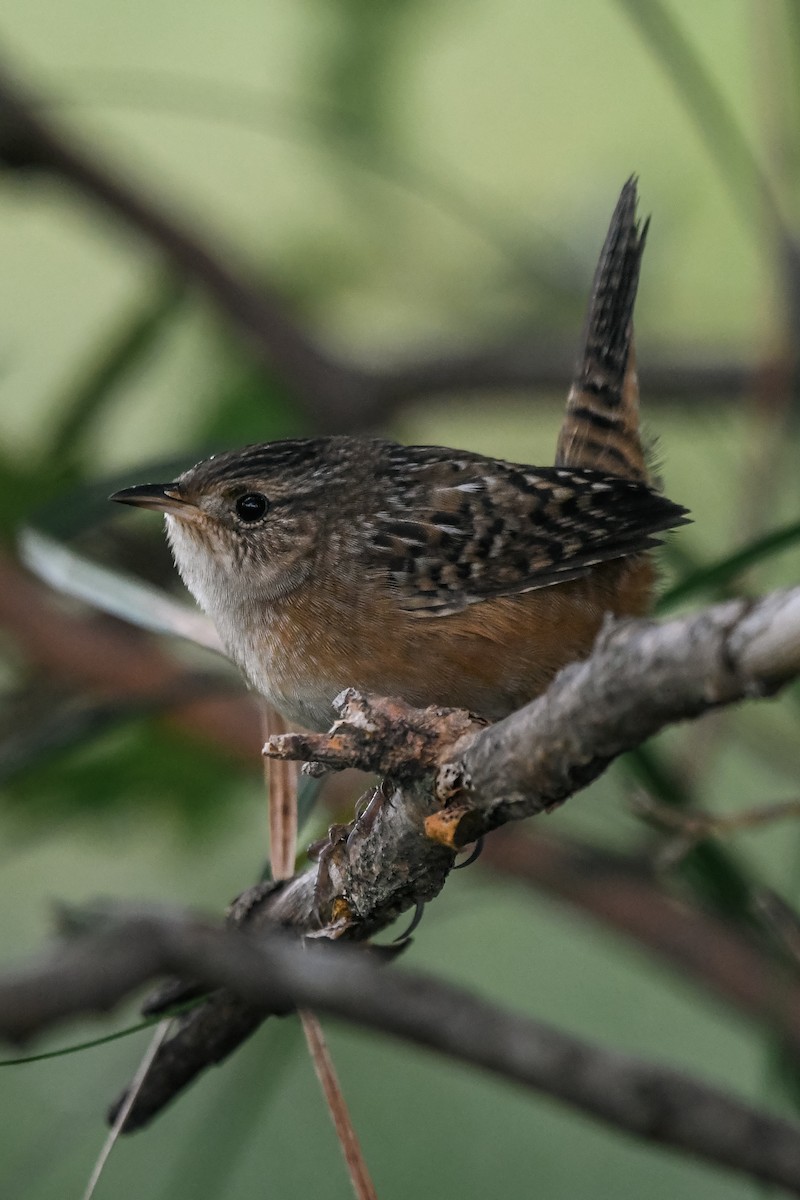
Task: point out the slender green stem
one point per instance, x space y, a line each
74 1049
751 190
717 576
127 347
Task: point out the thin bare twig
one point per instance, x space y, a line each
281 780
150 1053
698 825
356 1164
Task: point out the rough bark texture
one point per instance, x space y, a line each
453 779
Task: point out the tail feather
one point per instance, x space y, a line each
601 424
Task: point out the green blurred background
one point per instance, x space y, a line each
416 180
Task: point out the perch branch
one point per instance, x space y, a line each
93 654
641 676
454 779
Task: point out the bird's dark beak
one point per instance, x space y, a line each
166 497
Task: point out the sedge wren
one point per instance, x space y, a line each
434 575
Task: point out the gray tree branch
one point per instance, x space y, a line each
119 662
115 952
641 676
451 779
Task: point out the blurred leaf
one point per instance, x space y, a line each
20 491
712 871
140 764
40 723
64 512
715 577
720 881
123 352
359 62
680 559
114 593
650 769
249 405
205 1161
727 146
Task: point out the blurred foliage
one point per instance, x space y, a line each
96 762
442 175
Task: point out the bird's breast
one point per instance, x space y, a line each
496 655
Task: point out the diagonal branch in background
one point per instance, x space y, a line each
30 140
334 394
117 951
620 892
453 779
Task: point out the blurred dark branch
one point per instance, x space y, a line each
334 394
31 141
621 893
537 362
111 953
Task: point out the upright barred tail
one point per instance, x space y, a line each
601 424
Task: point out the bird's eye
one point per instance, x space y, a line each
251 507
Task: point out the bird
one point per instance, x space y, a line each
433 575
